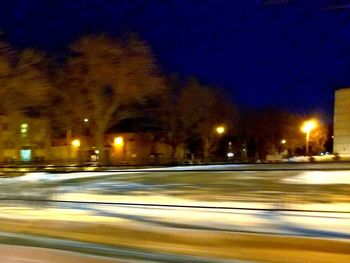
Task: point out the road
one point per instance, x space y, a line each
167 206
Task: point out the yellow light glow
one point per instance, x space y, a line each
76 143
220 130
86 120
283 141
118 141
308 126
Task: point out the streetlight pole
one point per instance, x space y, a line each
307 127
219 130
307 142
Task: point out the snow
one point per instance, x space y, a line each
320 177
197 167
317 224
261 217
42 176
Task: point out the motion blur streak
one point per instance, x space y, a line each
190 215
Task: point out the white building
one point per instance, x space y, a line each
341 143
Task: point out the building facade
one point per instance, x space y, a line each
28 140
341 142
23 139
140 148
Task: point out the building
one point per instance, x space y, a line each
341 143
137 148
28 140
139 141
23 139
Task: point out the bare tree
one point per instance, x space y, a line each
103 76
25 87
194 111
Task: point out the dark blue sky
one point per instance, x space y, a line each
290 53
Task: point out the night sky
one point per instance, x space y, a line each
289 53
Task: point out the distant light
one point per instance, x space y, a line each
76 143
244 149
86 120
97 151
220 130
230 154
283 141
119 141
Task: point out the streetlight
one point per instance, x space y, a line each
86 120
76 143
307 127
220 129
118 141
283 141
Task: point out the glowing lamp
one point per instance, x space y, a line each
76 143
308 126
118 141
220 130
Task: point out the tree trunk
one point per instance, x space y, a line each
173 152
48 138
100 145
1 141
206 148
69 156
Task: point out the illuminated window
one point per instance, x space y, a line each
26 155
24 130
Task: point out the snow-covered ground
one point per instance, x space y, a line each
315 224
149 207
320 177
42 176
